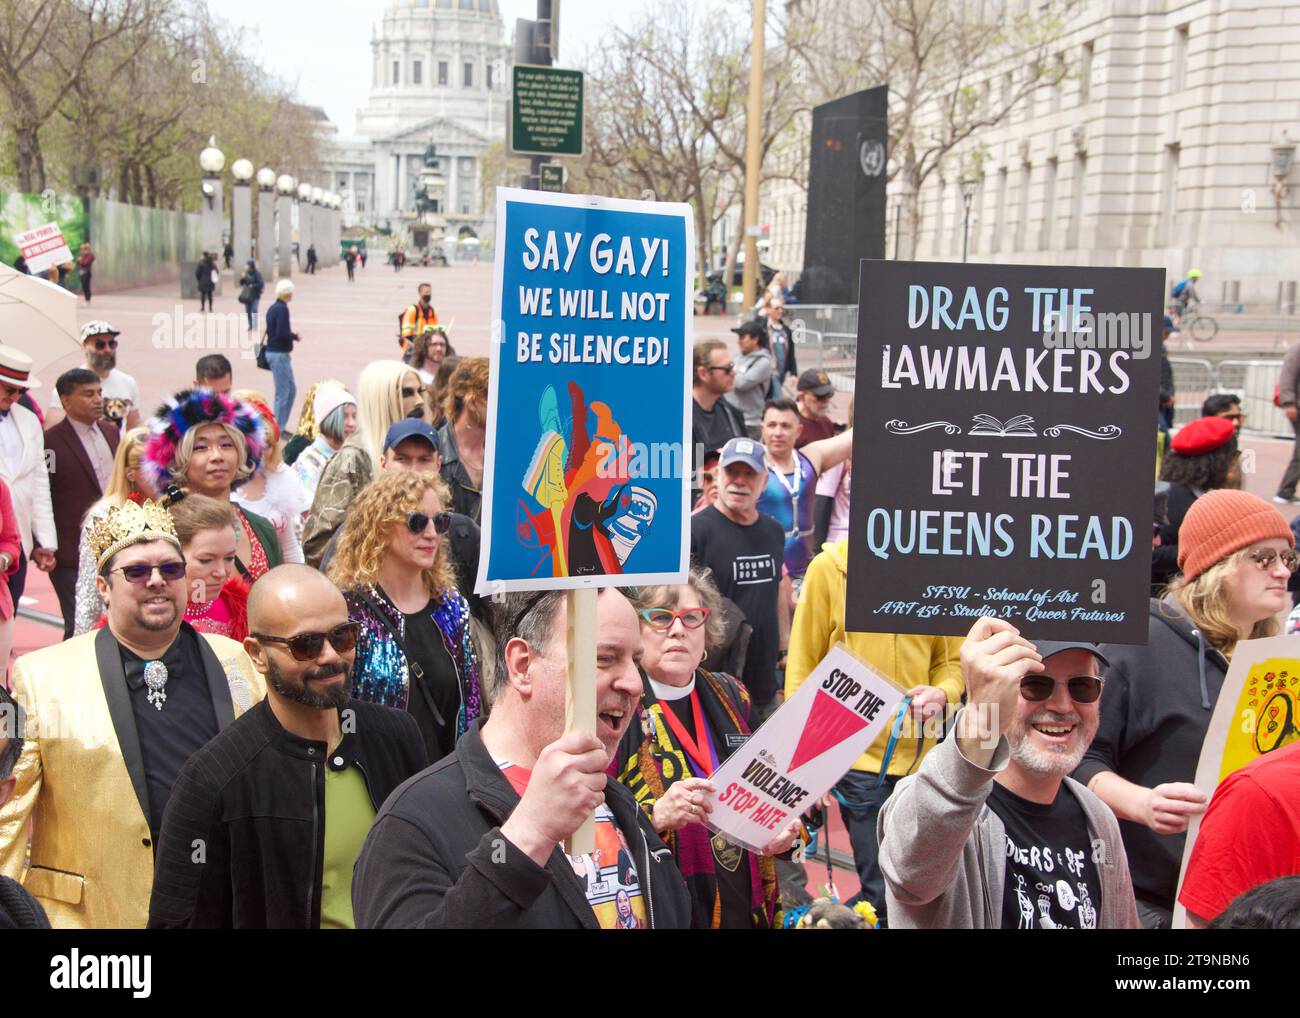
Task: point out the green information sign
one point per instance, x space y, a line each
552 177
546 111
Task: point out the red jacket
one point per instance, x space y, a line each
11 545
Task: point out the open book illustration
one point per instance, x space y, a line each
1020 426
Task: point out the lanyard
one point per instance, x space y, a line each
702 756
894 733
793 491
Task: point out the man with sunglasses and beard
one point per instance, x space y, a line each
281 801
119 390
112 717
991 833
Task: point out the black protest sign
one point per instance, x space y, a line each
1004 449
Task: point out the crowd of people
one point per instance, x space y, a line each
272 649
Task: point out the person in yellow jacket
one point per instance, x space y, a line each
928 666
110 718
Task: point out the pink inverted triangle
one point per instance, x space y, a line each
829 723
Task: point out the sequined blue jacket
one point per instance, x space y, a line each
380 673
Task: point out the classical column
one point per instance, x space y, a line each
285 187
265 219
241 222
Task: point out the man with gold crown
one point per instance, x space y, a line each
112 715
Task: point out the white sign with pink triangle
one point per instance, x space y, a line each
803 749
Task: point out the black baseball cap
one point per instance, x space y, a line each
411 427
748 329
817 382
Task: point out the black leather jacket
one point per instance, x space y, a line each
436 858
254 799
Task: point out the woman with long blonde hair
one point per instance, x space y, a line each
386 392
1236 553
393 566
126 481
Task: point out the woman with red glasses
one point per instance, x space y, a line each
690 721
1236 554
393 565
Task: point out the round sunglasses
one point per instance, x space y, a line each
141 573
661 619
105 344
1083 688
307 646
417 523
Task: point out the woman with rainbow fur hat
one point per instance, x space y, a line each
209 443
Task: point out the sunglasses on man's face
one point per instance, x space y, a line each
417 523
105 344
307 646
1083 688
143 573
15 391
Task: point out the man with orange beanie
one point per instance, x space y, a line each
1236 554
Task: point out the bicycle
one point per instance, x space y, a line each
1200 327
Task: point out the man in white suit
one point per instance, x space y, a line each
23 467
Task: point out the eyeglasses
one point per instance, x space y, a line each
408 392
12 390
1265 557
417 523
726 369
142 573
105 344
661 619
1083 688
307 646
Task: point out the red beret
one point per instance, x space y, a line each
1202 436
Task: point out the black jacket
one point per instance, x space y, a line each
436 858
1155 709
247 797
18 909
203 275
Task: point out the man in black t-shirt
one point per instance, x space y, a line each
714 421
1046 854
744 549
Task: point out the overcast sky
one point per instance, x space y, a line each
324 45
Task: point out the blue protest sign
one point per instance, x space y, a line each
585 473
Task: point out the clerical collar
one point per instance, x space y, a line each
666 692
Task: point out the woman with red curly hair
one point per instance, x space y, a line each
415 651
208 443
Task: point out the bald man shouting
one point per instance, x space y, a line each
266 821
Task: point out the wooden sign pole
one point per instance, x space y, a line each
580 701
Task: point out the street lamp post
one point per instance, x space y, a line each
304 221
285 186
211 161
967 196
241 210
265 217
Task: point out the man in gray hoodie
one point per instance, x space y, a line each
990 833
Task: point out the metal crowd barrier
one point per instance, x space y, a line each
1251 380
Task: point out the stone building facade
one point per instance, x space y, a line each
1157 148
439 75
